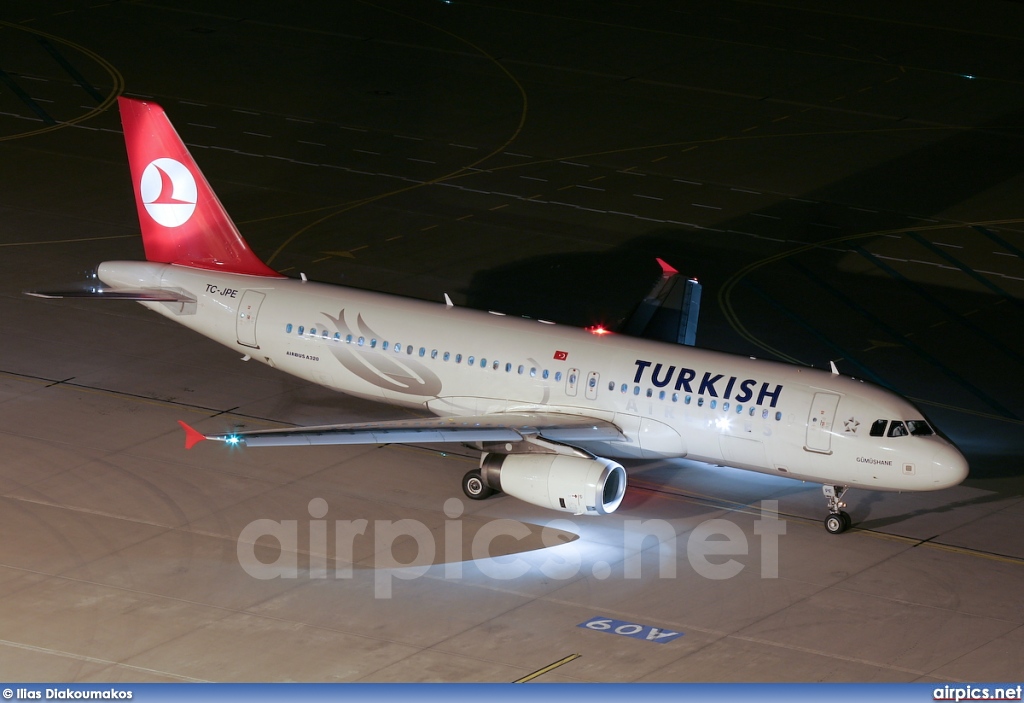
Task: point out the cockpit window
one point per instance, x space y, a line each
878 428
920 428
897 429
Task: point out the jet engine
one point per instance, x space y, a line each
571 484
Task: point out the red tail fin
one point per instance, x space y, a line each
182 220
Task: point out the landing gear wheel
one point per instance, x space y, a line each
847 522
836 524
474 487
838 521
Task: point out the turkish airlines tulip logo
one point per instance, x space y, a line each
168 191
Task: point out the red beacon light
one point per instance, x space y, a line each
598 330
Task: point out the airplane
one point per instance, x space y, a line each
550 407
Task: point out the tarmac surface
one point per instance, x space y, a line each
844 180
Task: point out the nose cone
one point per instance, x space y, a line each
949 467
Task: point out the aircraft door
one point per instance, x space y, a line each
245 323
593 378
819 422
572 380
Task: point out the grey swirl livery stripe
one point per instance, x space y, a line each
394 372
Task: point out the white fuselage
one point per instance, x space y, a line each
668 400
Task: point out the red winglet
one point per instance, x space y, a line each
666 269
192 436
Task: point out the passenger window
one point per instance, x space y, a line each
470 360
373 344
623 388
592 382
521 369
778 416
764 414
700 402
458 358
714 404
301 329
687 400
558 375
312 332
650 392
675 397
337 336
288 328
636 390
725 406
544 374
433 353
360 341
447 356
423 351
384 346
408 349
878 428
398 347
897 429
533 372
494 366
324 334
508 367
661 395
348 338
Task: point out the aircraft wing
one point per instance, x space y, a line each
670 311
498 427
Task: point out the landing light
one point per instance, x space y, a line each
232 440
722 423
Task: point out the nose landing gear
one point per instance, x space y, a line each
838 520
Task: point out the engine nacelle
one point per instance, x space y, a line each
568 483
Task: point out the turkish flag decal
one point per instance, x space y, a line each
561 355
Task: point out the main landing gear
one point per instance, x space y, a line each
474 486
838 520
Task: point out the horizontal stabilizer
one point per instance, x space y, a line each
153 295
486 428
